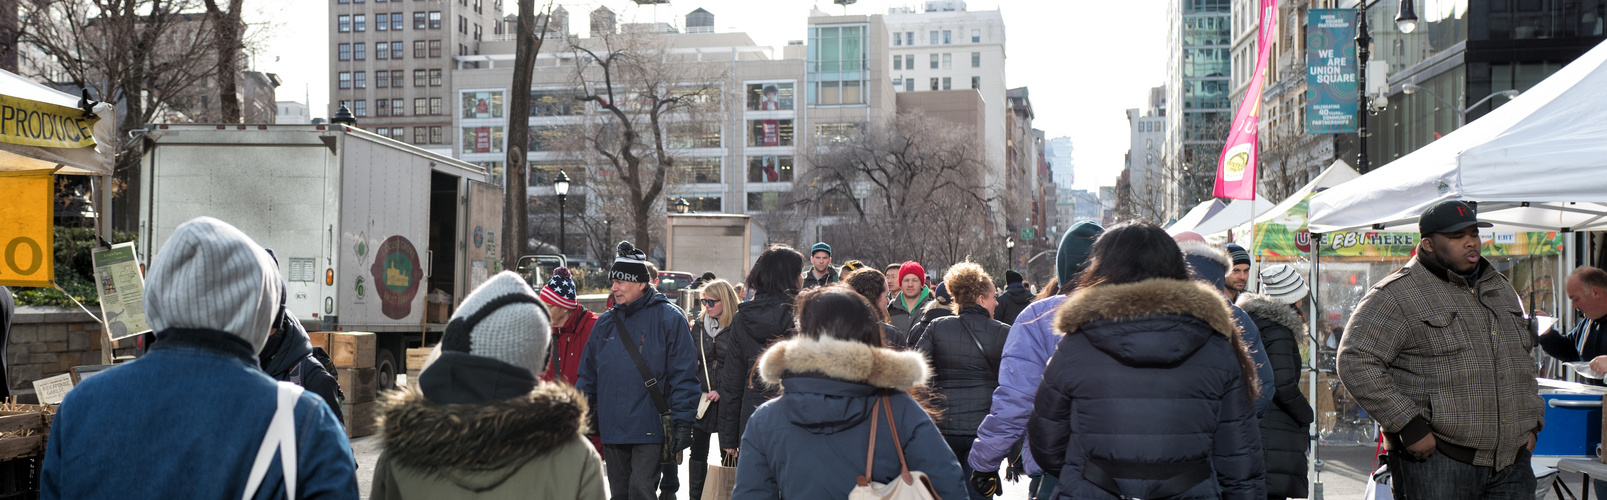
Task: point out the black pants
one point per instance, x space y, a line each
633 470
961 445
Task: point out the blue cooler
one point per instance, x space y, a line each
1573 419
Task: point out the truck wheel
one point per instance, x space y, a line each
384 370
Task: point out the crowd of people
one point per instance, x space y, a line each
1148 366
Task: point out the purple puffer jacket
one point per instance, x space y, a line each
1032 340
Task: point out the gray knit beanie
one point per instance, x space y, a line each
502 320
209 275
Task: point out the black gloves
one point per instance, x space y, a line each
683 437
1016 469
986 483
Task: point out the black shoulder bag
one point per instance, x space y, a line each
667 452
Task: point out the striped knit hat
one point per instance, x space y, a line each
560 290
1283 284
630 266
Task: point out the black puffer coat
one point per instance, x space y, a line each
1011 302
288 356
1284 426
965 352
759 322
918 330
1151 378
712 348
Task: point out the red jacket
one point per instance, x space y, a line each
568 344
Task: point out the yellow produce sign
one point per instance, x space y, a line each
25 229
34 123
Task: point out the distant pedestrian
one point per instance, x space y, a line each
632 421
872 285
1026 351
820 272
703 280
965 350
1149 394
1460 409
893 289
1277 314
1015 298
479 423
1239 275
766 319
941 306
188 419
571 327
913 294
838 381
851 266
719 311
1210 265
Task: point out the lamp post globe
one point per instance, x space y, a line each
1406 18
682 207
560 185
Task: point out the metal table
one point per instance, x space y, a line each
1586 466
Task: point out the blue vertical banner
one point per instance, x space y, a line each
1331 71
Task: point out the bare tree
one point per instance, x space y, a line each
516 216
228 38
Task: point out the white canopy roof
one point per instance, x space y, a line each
1195 216
1236 213
90 161
1535 163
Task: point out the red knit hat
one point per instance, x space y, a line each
911 267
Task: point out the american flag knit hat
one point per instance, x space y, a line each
560 290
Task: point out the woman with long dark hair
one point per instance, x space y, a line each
1164 391
760 322
812 441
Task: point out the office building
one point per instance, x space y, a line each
1198 105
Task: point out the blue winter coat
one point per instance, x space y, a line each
610 380
185 421
811 442
1148 377
1250 335
1032 339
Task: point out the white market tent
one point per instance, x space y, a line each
1195 216
82 161
1534 164
1336 174
1236 213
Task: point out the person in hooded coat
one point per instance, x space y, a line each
1150 394
290 357
965 351
480 424
811 442
188 418
1211 265
760 322
1284 425
1015 298
1032 340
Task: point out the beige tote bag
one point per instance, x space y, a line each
909 485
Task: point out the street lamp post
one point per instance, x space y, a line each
560 185
1406 22
1010 251
1461 113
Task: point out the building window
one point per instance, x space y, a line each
396 21
419 76
418 49
361 22
382 107
909 61
692 135
948 37
976 36
435 106
946 83
362 79
948 61
420 135
934 84
396 50
976 59
383 131
435 78
418 20
345 52
421 106
556 103
898 39
836 65
898 62
831 133
897 82
382 50
770 96
361 51
396 108
361 109
933 34
698 170
935 59
397 80
976 82
435 19
482 139
763 133
382 21
435 135
343 23
909 36
345 80
477 31
399 134
764 202
435 49
909 85
769 169
463 25
483 104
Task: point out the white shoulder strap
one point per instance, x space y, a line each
281 436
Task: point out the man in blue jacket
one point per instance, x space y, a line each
188 419
624 412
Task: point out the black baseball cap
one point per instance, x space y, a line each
1448 216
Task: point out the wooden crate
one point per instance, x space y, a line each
416 357
320 339
357 383
352 349
360 418
23 431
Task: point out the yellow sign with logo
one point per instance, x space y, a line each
26 237
34 123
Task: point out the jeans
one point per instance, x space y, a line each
1441 476
962 452
633 470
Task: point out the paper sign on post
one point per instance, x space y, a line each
53 389
121 289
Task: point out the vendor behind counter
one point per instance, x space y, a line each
1587 289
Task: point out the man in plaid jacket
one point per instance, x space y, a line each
1439 354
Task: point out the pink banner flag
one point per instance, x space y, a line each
1235 172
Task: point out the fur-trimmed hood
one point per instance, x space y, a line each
1263 306
843 360
478 443
1206 263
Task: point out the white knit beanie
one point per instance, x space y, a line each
209 275
1283 284
516 332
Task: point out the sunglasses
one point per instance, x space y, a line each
710 302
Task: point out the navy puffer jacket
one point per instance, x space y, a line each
965 352
1150 376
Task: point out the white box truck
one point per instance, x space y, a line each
364 227
717 243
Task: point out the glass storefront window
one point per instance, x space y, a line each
769 169
484 104
763 133
482 139
777 96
